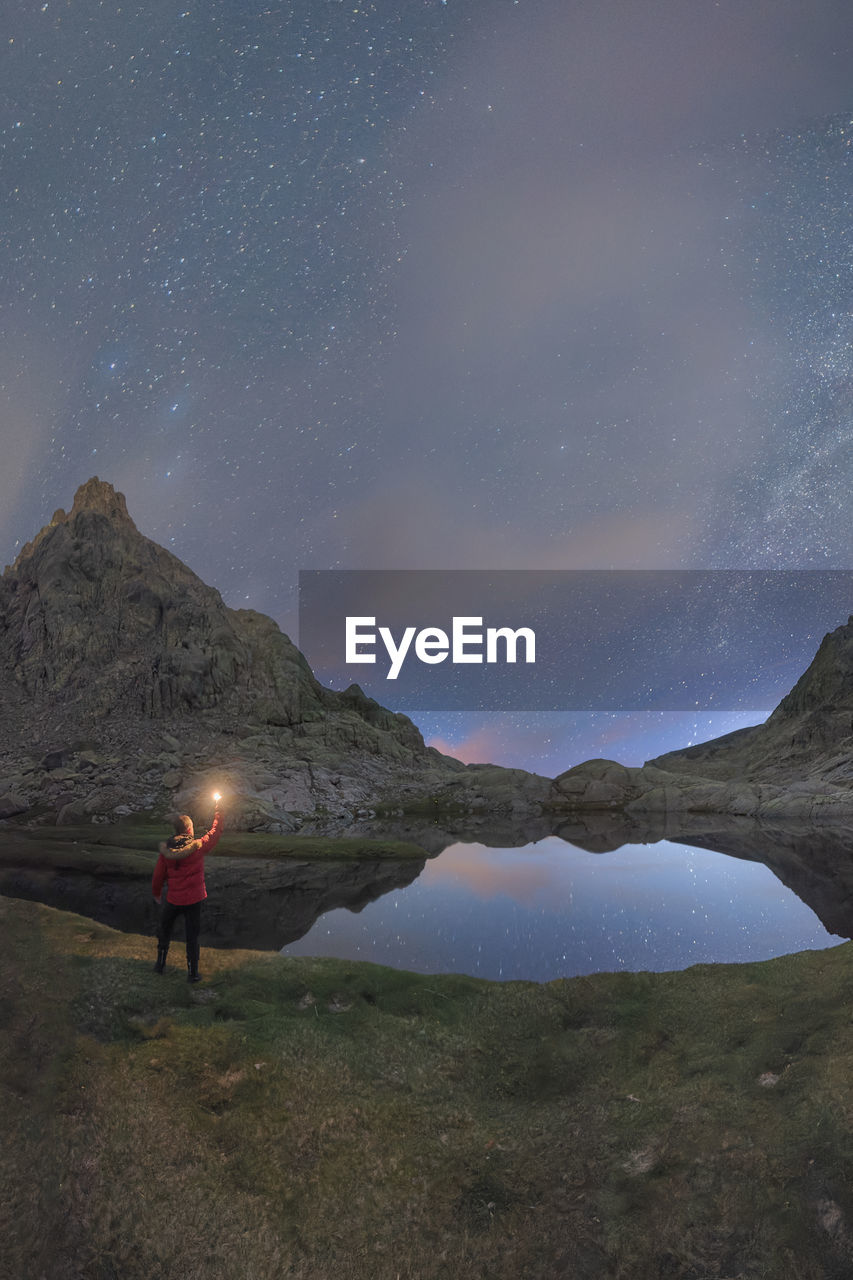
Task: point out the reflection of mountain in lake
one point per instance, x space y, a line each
266 903
256 904
435 834
814 862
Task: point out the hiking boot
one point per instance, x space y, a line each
193 974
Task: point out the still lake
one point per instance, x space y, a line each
552 910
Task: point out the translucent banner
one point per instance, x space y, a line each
574 640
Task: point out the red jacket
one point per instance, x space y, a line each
181 864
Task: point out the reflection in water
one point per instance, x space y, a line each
549 911
600 892
253 904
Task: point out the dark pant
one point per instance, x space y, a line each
191 911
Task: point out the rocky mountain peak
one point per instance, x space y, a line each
98 621
95 497
99 496
827 682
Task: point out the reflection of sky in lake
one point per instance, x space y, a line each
552 910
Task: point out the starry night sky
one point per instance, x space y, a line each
506 284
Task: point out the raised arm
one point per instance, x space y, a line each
209 839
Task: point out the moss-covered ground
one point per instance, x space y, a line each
320 1118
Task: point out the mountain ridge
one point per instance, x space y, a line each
797 763
117 659
128 685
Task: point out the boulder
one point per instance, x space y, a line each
11 805
595 784
71 815
55 759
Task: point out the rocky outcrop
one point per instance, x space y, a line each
128 684
595 784
650 789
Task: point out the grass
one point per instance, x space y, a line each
314 1118
92 844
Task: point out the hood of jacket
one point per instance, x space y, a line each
178 847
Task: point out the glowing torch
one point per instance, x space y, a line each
216 797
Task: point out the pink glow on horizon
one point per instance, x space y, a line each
488 875
482 747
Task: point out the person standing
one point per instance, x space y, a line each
180 867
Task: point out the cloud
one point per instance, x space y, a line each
577 341
32 404
420 523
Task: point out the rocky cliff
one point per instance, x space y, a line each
128 684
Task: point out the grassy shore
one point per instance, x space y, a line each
134 845
319 1118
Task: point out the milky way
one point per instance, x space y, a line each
518 285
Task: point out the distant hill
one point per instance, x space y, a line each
798 763
809 735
